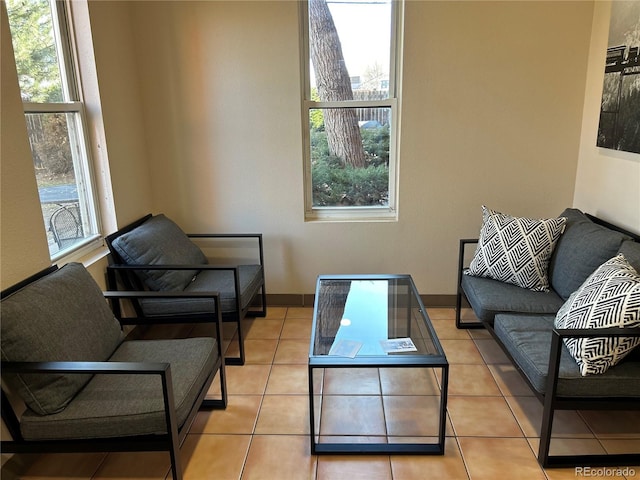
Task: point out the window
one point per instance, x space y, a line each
54 112
350 108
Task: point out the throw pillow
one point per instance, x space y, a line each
610 297
515 249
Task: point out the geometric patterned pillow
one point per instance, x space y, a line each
610 297
516 250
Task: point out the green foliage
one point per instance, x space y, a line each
35 50
316 117
334 184
376 145
49 134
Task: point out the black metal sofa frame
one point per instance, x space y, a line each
121 273
549 396
170 441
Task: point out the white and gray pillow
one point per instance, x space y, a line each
516 250
610 297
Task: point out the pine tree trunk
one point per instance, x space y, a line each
334 84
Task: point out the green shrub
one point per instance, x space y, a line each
335 185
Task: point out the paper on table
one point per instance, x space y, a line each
345 348
395 345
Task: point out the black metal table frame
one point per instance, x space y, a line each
396 361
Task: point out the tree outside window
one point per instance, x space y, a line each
55 121
350 106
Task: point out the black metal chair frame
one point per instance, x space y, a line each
170 441
64 241
120 270
550 400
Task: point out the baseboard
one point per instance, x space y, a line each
307 300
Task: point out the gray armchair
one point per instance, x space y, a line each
88 388
153 253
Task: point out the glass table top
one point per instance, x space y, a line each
371 316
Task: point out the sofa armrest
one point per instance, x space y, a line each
556 349
459 292
461 254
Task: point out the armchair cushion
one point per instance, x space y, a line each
220 281
122 405
37 326
159 241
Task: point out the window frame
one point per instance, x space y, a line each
350 213
73 104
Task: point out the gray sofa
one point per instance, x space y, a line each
522 322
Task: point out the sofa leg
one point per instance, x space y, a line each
545 432
239 360
459 323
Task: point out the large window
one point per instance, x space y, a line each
44 53
350 108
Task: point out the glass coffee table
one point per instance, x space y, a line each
377 372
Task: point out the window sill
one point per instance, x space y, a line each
347 214
87 255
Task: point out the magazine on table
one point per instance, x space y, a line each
398 345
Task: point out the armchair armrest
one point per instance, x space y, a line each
104 368
134 368
256 236
115 296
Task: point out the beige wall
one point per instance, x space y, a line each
482 123
201 104
23 241
122 112
608 181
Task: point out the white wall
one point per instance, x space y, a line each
607 181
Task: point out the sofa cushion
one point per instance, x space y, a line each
527 338
60 317
159 241
610 297
631 251
122 405
515 249
582 248
488 297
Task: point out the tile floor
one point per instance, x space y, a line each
492 430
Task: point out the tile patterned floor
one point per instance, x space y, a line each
492 430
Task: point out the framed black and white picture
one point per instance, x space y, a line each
619 127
